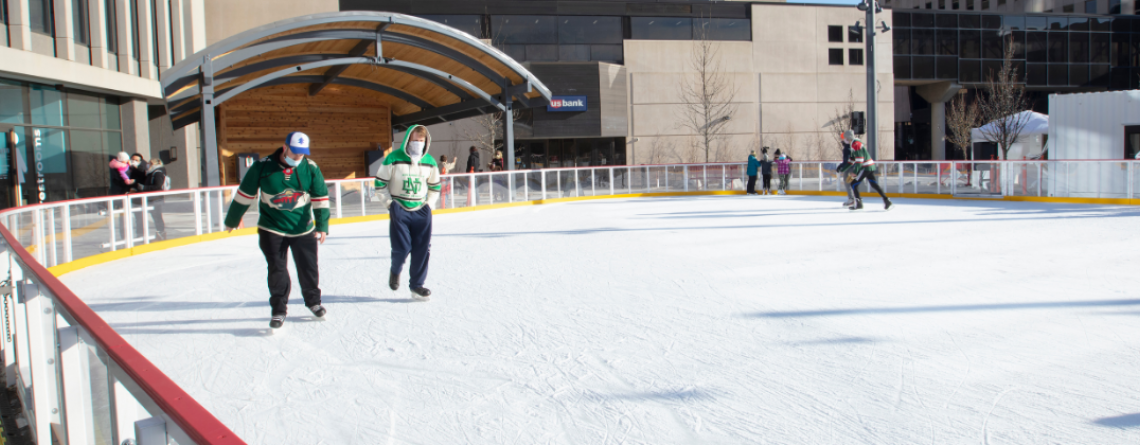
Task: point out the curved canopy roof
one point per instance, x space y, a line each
428 72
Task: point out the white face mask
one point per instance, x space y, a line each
415 148
291 162
134 163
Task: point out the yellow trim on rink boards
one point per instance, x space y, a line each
163 245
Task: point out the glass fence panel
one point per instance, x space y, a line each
887 174
1113 179
482 194
622 177
90 228
656 179
334 198
985 178
698 175
461 194
567 185
676 178
926 178
100 395
586 184
519 186
1135 180
350 202
553 183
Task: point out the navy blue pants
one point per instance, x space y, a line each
410 232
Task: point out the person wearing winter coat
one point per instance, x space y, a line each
473 165
844 173
497 162
753 166
766 171
784 169
156 182
121 181
293 206
863 166
444 166
409 181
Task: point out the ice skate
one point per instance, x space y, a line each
848 203
318 311
886 204
394 281
276 322
421 293
858 205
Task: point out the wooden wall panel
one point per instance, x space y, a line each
343 123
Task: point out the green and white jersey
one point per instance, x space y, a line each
293 201
410 182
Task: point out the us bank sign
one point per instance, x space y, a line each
567 103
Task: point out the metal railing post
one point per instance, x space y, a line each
542 178
42 357
685 170
611 180
51 237
75 369
593 183
800 180
820 171
336 186
221 215
111 216
629 179
723 177
472 191
558 182
915 178
1099 178
648 184
938 189
197 212
209 224
128 223
146 221
1128 187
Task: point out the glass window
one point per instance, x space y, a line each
1078 23
83 111
1100 24
526 29
853 35
661 28
1066 8
722 29
589 30
1058 23
1099 48
947 20
1013 23
1078 48
947 42
111 120
1037 74
1036 23
941 4
835 56
902 67
1001 2
47 106
955 5
607 53
517 52
970 44
11 104
922 20
135 26
4 20
835 34
985 5
1090 7
991 22
79 21
1037 44
901 40
1058 47
1016 42
40 15
1098 75
854 56
992 45
969 5
541 53
901 19
470 24
574 53
1134 51
1058 75
970 71
970 21
1120 77
48 158
923 67
947 67
922 41
88 159
112 30
990 68
1114 7
1122 25
1078 75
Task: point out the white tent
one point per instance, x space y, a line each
1037 125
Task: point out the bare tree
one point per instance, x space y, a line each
707 97
841 122
961 119
1002 104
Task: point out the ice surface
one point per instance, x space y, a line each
700 320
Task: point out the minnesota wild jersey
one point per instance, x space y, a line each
293 201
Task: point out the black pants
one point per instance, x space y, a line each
751 185
156 214
276 248
410 232
768 182
870 177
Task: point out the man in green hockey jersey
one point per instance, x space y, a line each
863 167
409 182
294 215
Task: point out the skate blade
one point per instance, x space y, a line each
418 297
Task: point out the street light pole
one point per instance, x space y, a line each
872 138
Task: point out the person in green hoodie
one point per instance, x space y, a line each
294 215
409 182
753 165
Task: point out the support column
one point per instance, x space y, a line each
136 127
64 29
97 23
19 25
211 175
938 94
508 131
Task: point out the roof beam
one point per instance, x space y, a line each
358 50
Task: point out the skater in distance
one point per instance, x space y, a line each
863 166
294 215
409 182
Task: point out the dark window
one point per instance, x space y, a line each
991 22
954 5
941 4
1058 23
1013 23
902 67
835 56
902 19
1066 8
970 46
470 24
1001 2
1134 51
947 42
970 71
154 32
1058 47
854 35
589 30
1078 24
1114 7
1090 7
135 26
1121 45
1098 75
112 29
1120 78
947 20
1131 141
1100 24
922 20
524 29
991 45
928 5
1037 74
40 14
985 5
661 28
854 56
1017 40
923 67
1078 75
1099 48
901 39
574 53
541 53
835 34
947 67
990 68
970 21
1122 25
722 29
607 53
517 52
1036 23
1058 75
1078 48
922 41
969 5
1036 47
79 21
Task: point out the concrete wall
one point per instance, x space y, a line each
229 17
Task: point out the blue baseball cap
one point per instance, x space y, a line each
298 142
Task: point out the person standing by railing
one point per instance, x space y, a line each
157 181
766 170
864 168
294 207
784 169
753 166
409 181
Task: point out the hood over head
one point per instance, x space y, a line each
408 138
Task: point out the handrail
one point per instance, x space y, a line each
202 427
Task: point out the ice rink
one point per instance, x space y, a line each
689 320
